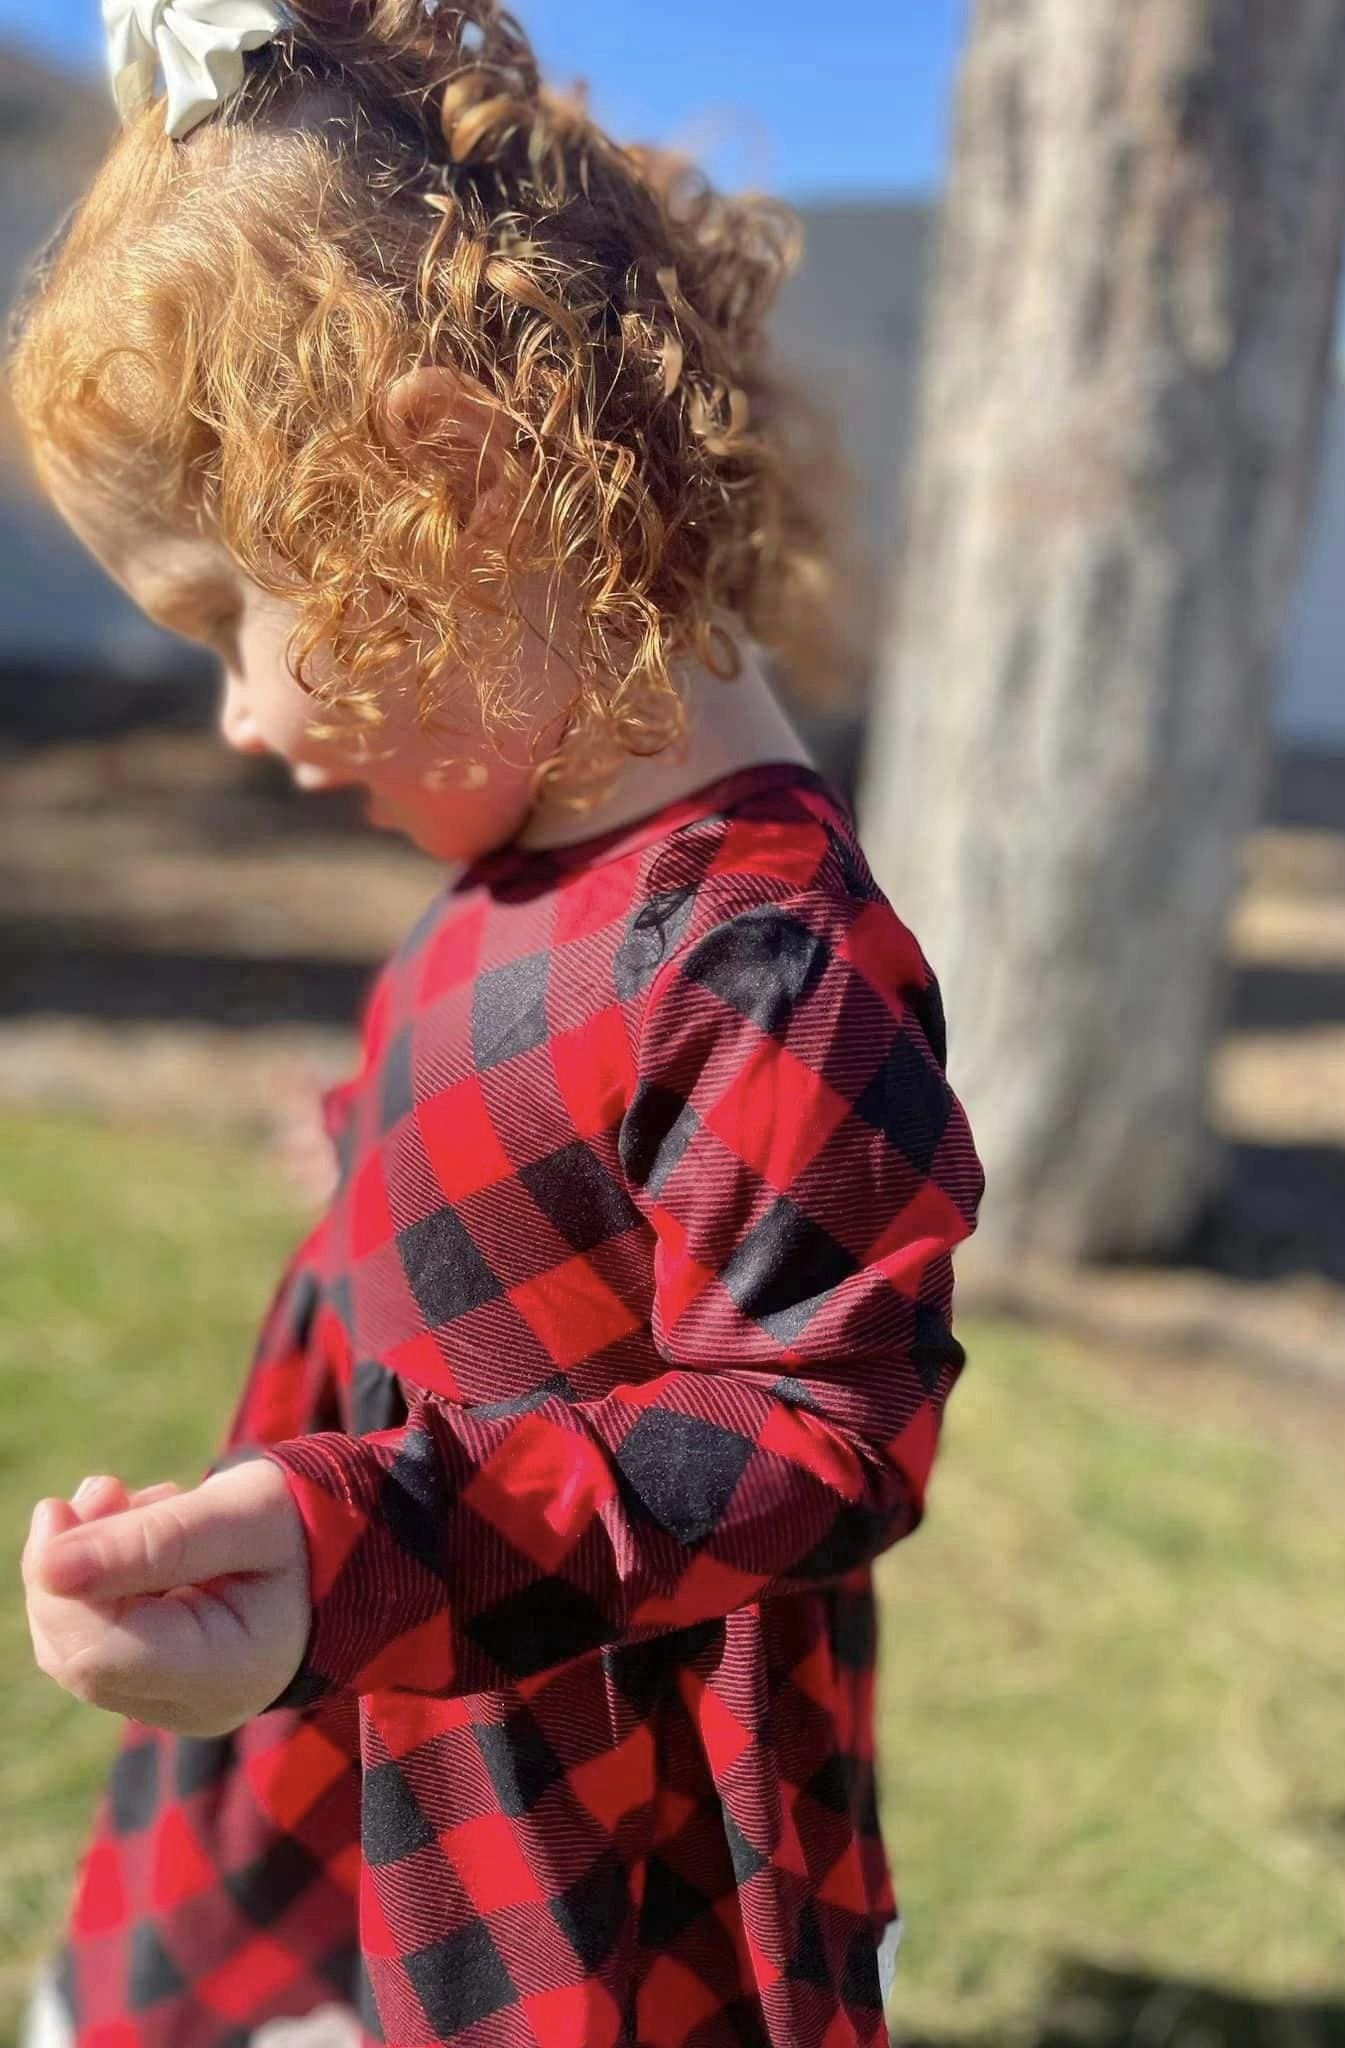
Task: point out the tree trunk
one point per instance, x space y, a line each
1127 364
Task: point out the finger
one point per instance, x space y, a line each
103 1495
47 1618
297 1098
95 1498
50 1517
156 1648
163 1489
154 1651
185 1541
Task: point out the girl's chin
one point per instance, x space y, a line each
426 834
385 817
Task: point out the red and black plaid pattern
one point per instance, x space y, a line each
618 1358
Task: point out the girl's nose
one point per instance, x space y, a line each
236 721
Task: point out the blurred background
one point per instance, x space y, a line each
1072 287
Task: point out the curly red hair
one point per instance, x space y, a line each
393 186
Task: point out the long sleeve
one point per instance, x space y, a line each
794 1147
291 1385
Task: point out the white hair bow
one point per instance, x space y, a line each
198 45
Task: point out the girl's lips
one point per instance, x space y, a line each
306 775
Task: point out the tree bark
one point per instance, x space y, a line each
1127 362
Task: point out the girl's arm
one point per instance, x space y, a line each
795 1146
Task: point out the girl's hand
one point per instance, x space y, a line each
187 1611
299 1140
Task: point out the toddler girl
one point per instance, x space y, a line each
508 1681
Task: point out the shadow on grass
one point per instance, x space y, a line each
67 972
1091 2007
1280 1211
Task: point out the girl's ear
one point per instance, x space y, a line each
434 407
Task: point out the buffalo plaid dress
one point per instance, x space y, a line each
619 1355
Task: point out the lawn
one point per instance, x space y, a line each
1113 1663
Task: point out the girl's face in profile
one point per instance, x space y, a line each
192 586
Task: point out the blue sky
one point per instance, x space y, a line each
766 92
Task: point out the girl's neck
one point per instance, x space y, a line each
729 726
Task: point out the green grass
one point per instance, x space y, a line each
135 1269
1112 1688
1112 1709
